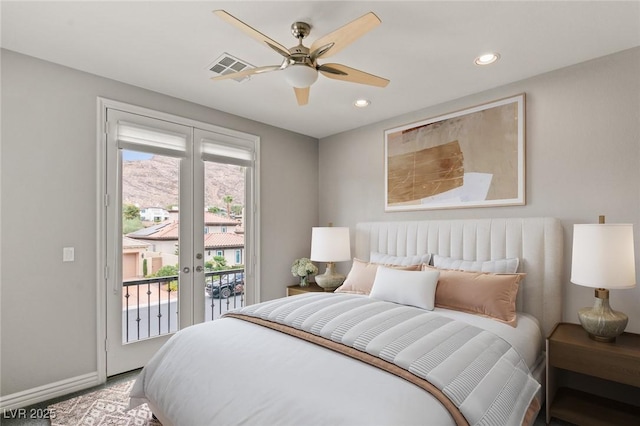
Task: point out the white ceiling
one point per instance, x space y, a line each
425 48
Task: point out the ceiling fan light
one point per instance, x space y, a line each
300 76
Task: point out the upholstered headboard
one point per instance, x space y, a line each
536 241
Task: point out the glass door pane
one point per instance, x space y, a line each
224 238
150 245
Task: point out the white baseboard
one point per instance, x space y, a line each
49 391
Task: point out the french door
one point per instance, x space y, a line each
156 254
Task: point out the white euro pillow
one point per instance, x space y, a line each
498 266
387 259
412 288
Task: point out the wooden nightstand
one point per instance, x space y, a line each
296 289
570 348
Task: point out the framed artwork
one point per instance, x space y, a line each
469 158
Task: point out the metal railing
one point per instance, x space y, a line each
226 286
150 305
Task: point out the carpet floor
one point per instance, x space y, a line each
105 407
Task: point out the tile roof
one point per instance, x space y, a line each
166 230
223 239
217 219
129 243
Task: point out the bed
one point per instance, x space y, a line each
368 357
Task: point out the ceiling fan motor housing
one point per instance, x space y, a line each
300 30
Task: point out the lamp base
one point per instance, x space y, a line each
330 280
601 322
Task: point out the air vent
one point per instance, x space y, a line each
227 64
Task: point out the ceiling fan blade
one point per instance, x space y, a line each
250 71
302 95
345 73
337 40
252 32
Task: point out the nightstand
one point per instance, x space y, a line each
570 348
296 289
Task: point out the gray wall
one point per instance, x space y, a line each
48 178
582 160
582 155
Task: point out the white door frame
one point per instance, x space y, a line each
252 230
136 352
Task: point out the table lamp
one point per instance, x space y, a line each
330 244
603 258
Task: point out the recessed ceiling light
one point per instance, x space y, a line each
486 59
362 103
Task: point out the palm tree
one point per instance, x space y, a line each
228 199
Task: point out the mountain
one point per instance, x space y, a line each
154 182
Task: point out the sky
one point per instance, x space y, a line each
135 155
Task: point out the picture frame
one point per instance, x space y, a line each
473 157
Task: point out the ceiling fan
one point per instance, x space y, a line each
300 64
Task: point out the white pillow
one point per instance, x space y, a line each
498 266
413 288
387 259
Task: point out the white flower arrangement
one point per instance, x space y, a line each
303 267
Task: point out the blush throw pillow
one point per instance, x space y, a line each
362 274
413 288
485 294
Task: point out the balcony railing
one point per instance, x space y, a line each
150 305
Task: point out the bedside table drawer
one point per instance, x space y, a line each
571 349
296 289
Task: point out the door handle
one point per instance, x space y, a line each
186 269
199 268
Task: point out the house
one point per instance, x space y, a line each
161 237
223 237
153 214
214 222
229 245
134 253
582 160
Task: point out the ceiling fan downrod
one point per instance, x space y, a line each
299 55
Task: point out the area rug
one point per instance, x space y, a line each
104 407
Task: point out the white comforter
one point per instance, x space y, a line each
208 374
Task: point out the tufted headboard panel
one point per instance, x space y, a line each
536 241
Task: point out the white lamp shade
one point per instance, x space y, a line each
330 244
603 256
300 76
